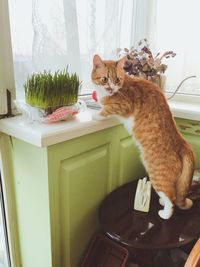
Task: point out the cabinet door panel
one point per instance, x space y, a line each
84 182
129 161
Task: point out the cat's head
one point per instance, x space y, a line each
109 74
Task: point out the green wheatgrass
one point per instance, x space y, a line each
50 91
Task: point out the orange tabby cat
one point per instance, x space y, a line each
167 157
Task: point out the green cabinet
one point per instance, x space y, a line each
58 191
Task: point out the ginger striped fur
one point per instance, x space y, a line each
166 155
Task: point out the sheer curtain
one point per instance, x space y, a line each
175 27
53 34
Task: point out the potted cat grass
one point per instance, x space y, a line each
52 97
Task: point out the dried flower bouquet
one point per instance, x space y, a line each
141 61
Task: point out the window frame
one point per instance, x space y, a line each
6 58
184 98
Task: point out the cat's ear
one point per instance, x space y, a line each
121 62
97 62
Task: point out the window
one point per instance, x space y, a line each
52 34
176 28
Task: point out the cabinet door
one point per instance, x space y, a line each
80 176
83 184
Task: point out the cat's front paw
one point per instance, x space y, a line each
97 117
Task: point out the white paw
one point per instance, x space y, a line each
162 203
165 214
97 117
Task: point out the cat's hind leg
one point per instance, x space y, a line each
161 202
168 209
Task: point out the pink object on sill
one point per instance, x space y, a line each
62 114
94 95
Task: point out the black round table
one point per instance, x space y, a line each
145 233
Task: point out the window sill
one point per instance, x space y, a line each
185 110
43 135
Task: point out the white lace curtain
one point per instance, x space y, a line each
52 34
175 27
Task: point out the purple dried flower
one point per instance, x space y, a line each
141 61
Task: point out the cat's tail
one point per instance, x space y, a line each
184 181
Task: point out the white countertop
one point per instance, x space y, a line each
43 135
